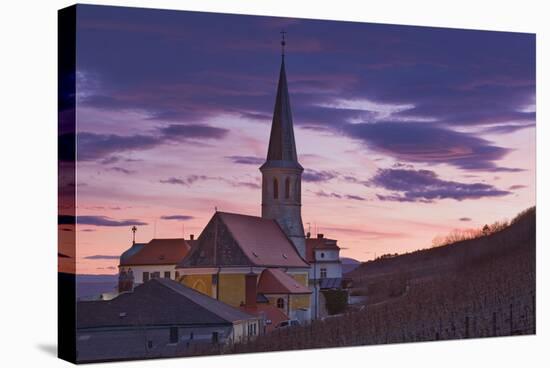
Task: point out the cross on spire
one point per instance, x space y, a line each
283 43
134 229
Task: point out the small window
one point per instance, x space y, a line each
215 337
323 273
254 329
166 274
174 335
275 188
322 255
191 335
155 275
150 344
177 275
287 188
145 276
280 303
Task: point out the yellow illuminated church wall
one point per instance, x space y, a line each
201 283
301 278
232 289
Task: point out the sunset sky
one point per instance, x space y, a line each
405 133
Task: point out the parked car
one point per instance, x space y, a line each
288 323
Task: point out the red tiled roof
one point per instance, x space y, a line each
269 312
159 252
262 240
276 281
319 243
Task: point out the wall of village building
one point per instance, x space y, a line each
162 270
327 260
157 341
232 291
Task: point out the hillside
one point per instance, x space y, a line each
385 278
477 288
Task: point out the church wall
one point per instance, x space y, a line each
302 278
201 283
232 289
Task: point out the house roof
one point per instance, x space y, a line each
330 283
136 247
157 302
232 239
158 252
269 312
313 244
276 281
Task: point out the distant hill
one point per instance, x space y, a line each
349 264
88 286
518 236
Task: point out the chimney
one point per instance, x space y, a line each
320 236
251 288
192 237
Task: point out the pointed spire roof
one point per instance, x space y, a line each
282 146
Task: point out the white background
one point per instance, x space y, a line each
28 179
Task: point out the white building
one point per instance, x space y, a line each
156 259
325 270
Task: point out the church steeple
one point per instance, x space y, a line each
282 145
281 172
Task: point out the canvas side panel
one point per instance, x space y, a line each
66 293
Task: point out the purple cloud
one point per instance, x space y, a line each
102 256
177 217
507 128
427 143
425 186
246 160
94 146
324 194
121 170
192 131
102 221
314 176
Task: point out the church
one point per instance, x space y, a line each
239 255
264 265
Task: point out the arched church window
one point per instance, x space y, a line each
281 303
287 188
275 188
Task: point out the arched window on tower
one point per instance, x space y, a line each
281 303
287 188
275 188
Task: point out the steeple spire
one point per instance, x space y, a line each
282 146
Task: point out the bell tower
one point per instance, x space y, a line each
281 172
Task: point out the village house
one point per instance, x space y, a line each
155 259
325 272
323 255
159 318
